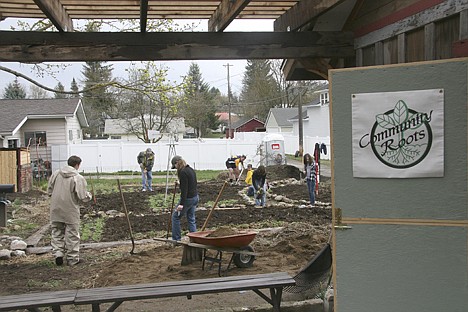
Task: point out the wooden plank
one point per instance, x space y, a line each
276 275
43 299
55 11
429 42
401 48
410 23
8 167
225 14
48 46
34 239
463 34
156 291
378 53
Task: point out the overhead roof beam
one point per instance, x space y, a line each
302 13
110 46
143 15
225 14
56 13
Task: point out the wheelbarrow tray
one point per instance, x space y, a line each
241 239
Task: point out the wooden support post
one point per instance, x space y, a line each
429 42
3 215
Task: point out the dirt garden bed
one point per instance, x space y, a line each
290 234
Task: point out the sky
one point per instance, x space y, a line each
213 72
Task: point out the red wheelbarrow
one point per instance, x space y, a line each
243 255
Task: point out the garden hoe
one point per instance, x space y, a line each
126 215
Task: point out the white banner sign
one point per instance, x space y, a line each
398 134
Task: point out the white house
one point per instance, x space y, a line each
315 118
278 120
119 129
41 122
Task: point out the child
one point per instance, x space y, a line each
248 180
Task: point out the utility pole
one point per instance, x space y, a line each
301 128
229 98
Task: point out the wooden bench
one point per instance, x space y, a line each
34 301
116 295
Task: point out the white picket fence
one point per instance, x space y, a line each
205 154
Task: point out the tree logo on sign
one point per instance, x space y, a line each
401 137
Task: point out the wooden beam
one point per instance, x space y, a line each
225 14
302 13
110 46
55 11
143 15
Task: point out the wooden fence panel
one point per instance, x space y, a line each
8 167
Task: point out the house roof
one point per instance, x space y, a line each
244 121
313 104
14 113
283 115
224 117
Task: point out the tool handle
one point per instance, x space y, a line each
214 205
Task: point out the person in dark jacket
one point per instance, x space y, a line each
188 197
311 176
146 161
260 185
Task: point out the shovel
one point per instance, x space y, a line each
214 206
126 215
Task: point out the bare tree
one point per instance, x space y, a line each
149 101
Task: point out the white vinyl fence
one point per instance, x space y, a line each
204 154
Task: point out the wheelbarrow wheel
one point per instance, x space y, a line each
243 260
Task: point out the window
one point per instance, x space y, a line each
78 134
70 135
13 143
324 98
116 137
35 138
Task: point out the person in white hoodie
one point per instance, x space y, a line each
67 189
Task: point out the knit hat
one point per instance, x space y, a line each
174 160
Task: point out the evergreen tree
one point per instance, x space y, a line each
200 111
98 101
14 91
60 88
74 88
260 90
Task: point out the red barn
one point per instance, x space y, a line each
247 125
